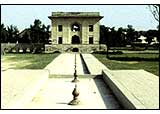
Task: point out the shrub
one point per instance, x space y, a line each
99 52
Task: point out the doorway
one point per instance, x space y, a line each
75 39
75 50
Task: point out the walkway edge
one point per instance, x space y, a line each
138 95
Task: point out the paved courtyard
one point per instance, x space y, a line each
57 93
45 92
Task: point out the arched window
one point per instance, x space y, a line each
75 27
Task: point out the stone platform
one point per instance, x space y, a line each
19 86
135 89
94 66
57 93
64 64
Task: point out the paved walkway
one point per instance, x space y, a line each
95 67
57 93
19 86
64 65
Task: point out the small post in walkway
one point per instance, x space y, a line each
75 80
75 94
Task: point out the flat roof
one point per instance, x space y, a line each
75 14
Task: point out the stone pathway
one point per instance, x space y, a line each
20 86
137 89
95 67
64 65
57 93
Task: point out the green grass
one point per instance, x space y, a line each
150 66
135 56
27 61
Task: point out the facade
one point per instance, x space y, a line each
70 30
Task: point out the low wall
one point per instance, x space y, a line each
82 48
117 92
13 47
135 89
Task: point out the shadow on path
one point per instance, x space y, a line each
106 93
84 66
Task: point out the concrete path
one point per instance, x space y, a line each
64 64
134 88
19 86
58 93
95 67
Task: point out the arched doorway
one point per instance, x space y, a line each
75 50
75 39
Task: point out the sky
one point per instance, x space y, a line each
116 16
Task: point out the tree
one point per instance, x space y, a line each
35 31
4 34
39 35
150 34
130 34
120 37
12 33
103 34
39 32
110 39
154 9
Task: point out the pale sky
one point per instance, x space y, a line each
114 15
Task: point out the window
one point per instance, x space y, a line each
59 40
90 28
75 27
90 40
59 28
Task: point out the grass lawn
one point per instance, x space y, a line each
135 56
26 61
150 66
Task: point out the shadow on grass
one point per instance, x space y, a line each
133 59
38 61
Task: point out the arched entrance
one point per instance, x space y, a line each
75 50
75 39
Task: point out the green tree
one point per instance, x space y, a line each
103 34
130 34
150 34
12 33
36 31
120 37
4 34
39 32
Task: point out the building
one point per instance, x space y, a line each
75 31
